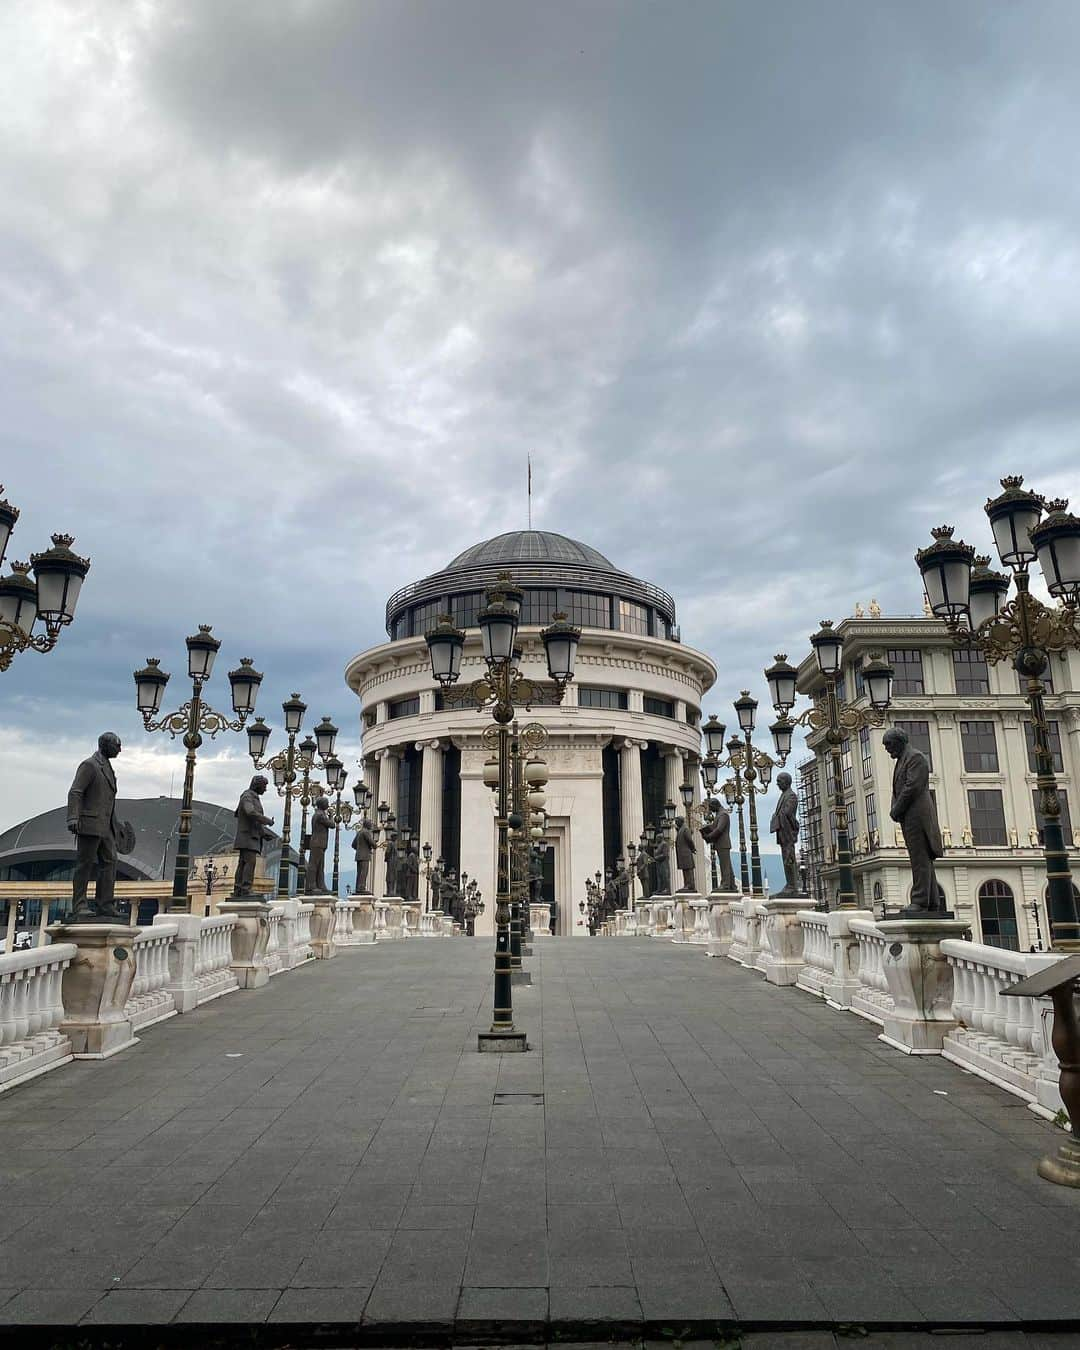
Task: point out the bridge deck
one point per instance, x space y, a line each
331 1149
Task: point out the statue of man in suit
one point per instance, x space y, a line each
785 825
410 867
392 865
914 811
318 838
717 834
91 818
643 866
685 853
662 865
363 848
252 830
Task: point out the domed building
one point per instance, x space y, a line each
626 736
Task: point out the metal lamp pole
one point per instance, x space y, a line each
500 689
1023 631
191 720
283 766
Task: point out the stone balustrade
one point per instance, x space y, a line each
1006 1040
746 932
151 1000
31 1010
872 1000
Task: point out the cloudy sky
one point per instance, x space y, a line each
290 288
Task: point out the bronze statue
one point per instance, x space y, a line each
644 866
536 876
363 847
91 818
611 894
436 882
662 865
685 853
785 825
321 824
391 863
717 834
622 885
410 873
914 811
251 833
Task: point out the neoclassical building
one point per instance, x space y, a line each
623 741
972 722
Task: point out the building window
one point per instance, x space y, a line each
997 916
633 618
871 820
907 663
987 817
918 734
538 606
403 707
1053 735
1047 678
849 768
410 775
601 698
370 717
970 672
465 608
859 688
658 707
979 747
1066 818
401 626
426 617
588 609
866 753
693 716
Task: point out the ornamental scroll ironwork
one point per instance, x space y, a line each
14 640
1002 636
179 723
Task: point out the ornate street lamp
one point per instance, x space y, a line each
839 721
340 812
500 689
751 774
50 598
283 766
970 597
191 721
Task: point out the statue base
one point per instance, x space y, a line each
1064 1169
920 981
916 912
250 938
501 1042
96 986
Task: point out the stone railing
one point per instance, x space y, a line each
31 1010
872 999
151 999
746 933
1006 1040
213 959
277 944
817 952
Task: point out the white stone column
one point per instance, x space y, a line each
431 775
673 772
630 804
388 788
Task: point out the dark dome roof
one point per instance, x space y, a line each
530 546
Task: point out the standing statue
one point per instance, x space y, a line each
536 877
914 811
662 865
717 834
91 818
363 847
391 863
685 853
410 868
785 825
252 831
436 883
643 866
611 894
622 885
315 879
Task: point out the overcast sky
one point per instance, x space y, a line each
290 288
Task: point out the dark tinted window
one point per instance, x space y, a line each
979 747
918 734
601 698
907 664
1053 735
987 816
969 671
658 707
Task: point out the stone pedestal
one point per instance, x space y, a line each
782 940
323 919
719 922
392 930
838 988
540 919
699 935
249 941
363 920
661 908
410 918
684 916
501 1042
920 983
96 985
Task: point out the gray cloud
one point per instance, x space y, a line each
289 292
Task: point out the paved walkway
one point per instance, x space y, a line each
706 1149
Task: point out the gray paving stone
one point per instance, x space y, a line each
52 1306
139 1306
229 1305
321 1305
484 1307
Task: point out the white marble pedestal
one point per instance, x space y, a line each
323 919
96 985
250 938
920 981
782 939
720 903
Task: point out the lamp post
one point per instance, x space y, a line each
839 721
283 766
340 812
501 688
1024 631
191 720
49 599
751 775
211 872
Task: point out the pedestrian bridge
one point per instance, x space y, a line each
687 1149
